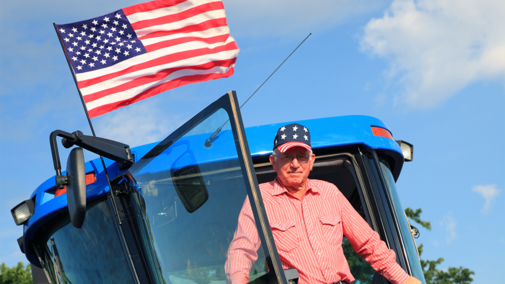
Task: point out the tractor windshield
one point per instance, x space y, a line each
406 235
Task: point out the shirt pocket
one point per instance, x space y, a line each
331 227
285 235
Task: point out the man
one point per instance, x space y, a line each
308 219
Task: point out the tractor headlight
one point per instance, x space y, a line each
23 211
407 150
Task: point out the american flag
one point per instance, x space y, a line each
137 52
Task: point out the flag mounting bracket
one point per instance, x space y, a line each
113 150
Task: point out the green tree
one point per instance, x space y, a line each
433 275
360 269
16 275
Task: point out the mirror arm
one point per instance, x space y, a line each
110 149
61 181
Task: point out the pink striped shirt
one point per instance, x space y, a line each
308 234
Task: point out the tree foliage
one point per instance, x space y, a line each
416 216
360 269
16 275
453 275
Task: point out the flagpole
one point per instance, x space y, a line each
89 121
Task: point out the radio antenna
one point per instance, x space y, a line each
208 142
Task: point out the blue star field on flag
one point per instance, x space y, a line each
100 42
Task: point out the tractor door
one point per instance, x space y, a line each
183 200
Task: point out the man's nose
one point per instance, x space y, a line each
295 163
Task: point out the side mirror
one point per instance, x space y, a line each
76 173
190 187
188 182
76 187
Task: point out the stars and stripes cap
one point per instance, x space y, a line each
292 135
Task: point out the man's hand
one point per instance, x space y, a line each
412 280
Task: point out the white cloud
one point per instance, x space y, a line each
290 17
437 47
146 124
449 225
489 192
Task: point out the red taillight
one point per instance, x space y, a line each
90 178
379 131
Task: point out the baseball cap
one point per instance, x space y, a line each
292 135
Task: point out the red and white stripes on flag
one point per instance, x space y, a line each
143 50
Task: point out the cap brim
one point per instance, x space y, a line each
286 146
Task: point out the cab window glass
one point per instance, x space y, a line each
92 254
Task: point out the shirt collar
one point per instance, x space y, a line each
279 188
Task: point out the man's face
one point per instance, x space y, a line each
293 166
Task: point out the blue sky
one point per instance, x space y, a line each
432 70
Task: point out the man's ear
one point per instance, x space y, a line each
312 160
272 161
